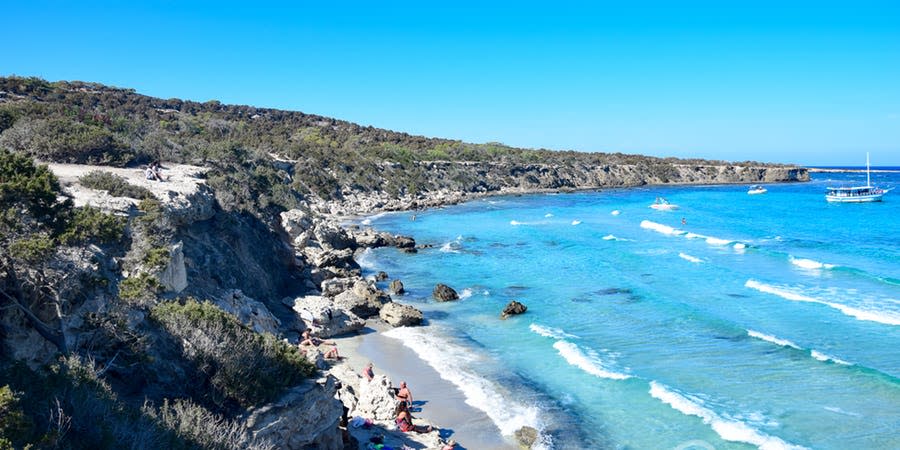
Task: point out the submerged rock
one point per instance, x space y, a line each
513 308
398 315
444 293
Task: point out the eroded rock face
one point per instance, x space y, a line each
326 318
444 293
398 315
513 308
250 312
305 417
174 276
376 399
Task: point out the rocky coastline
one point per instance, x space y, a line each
242 266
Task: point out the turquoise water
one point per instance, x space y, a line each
768 321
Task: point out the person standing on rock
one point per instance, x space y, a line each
368 372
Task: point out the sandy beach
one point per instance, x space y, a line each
436 400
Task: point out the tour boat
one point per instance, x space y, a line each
757 189
662 204
856 194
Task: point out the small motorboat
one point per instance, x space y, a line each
756 189
662 204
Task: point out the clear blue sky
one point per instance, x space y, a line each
810 83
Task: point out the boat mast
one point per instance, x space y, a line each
868 183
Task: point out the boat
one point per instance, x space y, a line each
662 204
756 189
856 194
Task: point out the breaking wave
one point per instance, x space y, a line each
885 317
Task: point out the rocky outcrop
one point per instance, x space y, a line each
396 287
398 315
381 276
376 399
174 276
513 308
526 436
305 417
444 293
250 312
324 316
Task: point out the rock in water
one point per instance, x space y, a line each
444 293
381 276
400 315
513 308
526 436
396 287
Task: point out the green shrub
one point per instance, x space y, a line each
14 425
116 186
244 366
139 288
90 225
157 258
193 423
33 248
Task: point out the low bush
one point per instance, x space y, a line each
139 288
193 423
116 186
243 366
90 225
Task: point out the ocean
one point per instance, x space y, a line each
736 321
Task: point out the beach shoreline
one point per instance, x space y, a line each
436 400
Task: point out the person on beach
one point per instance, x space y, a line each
332 352
404 421
450 445
307 339
404 395
368 372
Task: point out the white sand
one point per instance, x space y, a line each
436 400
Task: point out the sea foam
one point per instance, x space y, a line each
690 258
773 339
454 363
660 228
823 357
588 362
728 429
551 332
576 222
366 259
810 264
885 317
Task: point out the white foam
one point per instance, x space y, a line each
454 363
660 228
515 223
717 241
823 357
551 332
589 363
728 429
548 215
739 245
810 264
368 220
690 235
690 258
616 212
885 317
835 409
366 259
576 222
466 293
773 339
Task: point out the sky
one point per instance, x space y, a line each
812 83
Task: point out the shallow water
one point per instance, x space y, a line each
768 320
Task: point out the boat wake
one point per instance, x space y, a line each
880 316
727 428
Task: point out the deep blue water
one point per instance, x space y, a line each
768 321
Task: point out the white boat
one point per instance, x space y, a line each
856 194
662 204
756 189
